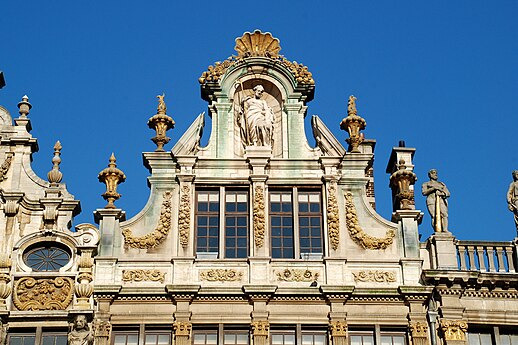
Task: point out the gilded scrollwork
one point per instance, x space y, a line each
259 222
333 221
338 328
43 294
454 329
4 168
418 329
143 275
182 328
184 216
257 44
297 275
260 328
221 274
357 233
155 238
375 276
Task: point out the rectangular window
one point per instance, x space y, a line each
296 231
281 225
207 221
236 224
231 337
314 338
22 339
479 339
54 339
204 337
157 338
282 338
310 222
125 338
508 339
358 338
393 339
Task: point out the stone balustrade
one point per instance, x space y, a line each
485 256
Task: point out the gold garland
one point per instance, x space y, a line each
333 222
184 216
259 222
155 238
43 294
357 233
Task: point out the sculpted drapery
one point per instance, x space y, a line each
255 120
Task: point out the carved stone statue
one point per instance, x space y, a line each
512 197
80 333
256 120
436 197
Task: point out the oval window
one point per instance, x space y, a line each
47 257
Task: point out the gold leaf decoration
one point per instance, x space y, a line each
454 329
259 222
333 222
357 233
184 216
43 294
155 238
143 275
338 328
419 329
221 274
375 276
297 275
257 44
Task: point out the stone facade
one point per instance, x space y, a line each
243 241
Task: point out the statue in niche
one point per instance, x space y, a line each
256 120
512 197
80 333
436 200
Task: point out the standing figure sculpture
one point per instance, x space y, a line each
512 197
436 200
256 120
80 333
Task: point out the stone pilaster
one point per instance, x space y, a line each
336 296
338 330
109 227
260 331
182 296
182 332
5 279
104 295
444 251
419 332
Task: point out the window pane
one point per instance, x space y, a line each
236 224
281 225
310 222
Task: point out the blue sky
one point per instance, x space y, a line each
442 75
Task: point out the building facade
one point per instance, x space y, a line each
256 238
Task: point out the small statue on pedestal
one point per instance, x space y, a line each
436 200
512 197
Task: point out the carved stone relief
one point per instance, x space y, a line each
297 275
454 329
375 276
184 216
43 294
333 221
155 238
357 233
4 168
221 275
143 275
259 222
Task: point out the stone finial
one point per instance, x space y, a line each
161 123
401 180
353 124
24 106
112 177
55 176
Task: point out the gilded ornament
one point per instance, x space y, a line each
112 177
4 168
221 274
260 328
375 276
297 275
338 328
43 294
184 216
454 329
257 44
400 181
143 275
357 233
419 329
161 123
333 221
102 330
259 222
353 124
182 328
155 238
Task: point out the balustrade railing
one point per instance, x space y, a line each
482 256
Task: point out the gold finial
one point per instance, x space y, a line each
161 122
24 107
353 124
112 177
351 106
162 108
55 176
